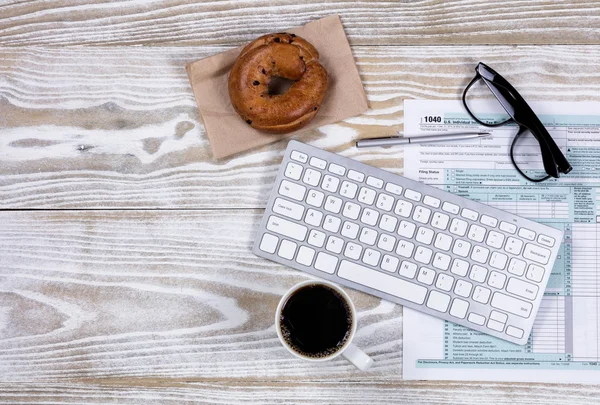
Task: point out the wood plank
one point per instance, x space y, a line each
118 127
96 22
155 294
292 392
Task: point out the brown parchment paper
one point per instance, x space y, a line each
229 134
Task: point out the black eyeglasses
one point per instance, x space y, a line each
520 113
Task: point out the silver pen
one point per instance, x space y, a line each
396 140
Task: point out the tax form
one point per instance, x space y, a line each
564 345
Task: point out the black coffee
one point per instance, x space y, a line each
316 321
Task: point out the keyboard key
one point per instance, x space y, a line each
476 233
498 260
494 239
441 261
305 256
497 280
382 282
350 230
368 236
478 273
403 208
351 210
489 221
386 242
332 224
444 282
431 201
514 332
476 318
286 228
443 241
287 249
388 223
268 243
423 255
316 238
527 234
318 163
459 308
481 294
438 301
293 171
480 254
288 209
333 204
513 305
393 188
311 177
353 250
315 198
369 216
424 235
535 273
389 263
459 267
508 227
294 191
374 182
469 214
461 248
326 262
498 316
330 183
463 288
412 195
348 189
334 244
337 169
440 221
451 208
522 288
537 254
406 229
545 240
385 202
458 227
426 276
495 325
299 156
422 214
513 245
313 217
371 257
405 248
408 269
366 195
517 267
356 176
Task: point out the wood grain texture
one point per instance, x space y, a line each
154 294
118 127
135 22
293 392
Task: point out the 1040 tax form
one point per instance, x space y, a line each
564 345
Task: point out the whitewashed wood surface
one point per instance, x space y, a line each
126 275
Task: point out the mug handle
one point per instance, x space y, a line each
357 357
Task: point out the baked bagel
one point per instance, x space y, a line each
277 55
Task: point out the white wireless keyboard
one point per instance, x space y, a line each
407 242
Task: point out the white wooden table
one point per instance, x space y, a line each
126 274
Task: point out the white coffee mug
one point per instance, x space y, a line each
348 350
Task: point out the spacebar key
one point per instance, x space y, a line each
382 282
